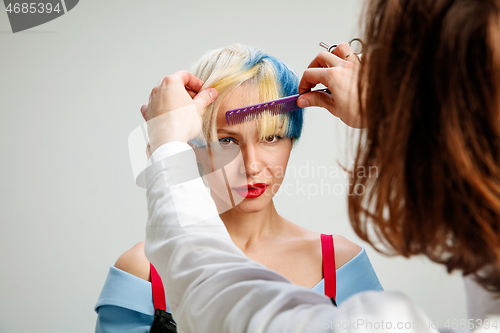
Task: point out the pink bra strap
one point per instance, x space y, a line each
158 291
329 273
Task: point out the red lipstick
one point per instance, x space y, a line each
251 190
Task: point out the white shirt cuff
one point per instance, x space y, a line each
167 150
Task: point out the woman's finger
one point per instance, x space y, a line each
342 50
345 52
191 93
154 90
317 98
204 99
325 59
314 76
144 110
190 81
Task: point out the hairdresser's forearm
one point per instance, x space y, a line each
212 287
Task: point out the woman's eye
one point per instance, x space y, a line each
226 142
272 138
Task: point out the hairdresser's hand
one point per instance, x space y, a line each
175 108
340 75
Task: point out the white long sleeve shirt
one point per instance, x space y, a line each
213 287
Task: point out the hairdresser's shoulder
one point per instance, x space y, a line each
135 262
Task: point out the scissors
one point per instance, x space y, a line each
330 48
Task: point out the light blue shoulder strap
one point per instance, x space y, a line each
355 276
126 290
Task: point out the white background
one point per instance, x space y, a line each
70 95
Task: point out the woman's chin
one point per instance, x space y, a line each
251 206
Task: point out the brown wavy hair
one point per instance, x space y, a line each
431 103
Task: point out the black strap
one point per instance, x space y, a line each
163 323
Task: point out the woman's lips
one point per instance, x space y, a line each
251 190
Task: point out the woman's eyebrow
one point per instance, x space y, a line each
227 132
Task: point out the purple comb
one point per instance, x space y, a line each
275 107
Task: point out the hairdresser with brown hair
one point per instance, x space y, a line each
427 94
431 112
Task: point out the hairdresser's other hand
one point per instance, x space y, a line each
175 108
340 75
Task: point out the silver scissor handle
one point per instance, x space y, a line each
330 48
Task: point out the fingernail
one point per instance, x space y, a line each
212 94
302 103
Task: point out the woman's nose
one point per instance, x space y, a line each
252 164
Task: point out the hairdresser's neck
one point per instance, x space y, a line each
248 230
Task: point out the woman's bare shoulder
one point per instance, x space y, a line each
297 231
134 262
345 250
